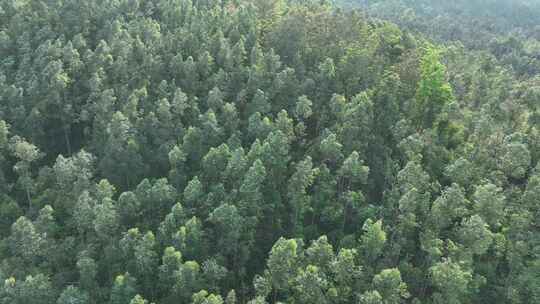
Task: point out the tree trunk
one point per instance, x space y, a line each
68 142
29 200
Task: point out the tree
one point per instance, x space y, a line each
72 295
213 274
528 284
123 290
122 162
259 104
156 199
170 263
331 149
231 297
259 126
172 222
451 205
129 208
45 222
4 132
299 182
202 297
146 260
84 214
4 143
320 253
346 273
390 286
73 176
188 280
190 239
177 159
371 297
303 108
281 264
215 99
33 290
311 285
532 194
106 222
433 91
9 213
372 241
353 170
228 232
250 190
236 166
87 273
138 300
26 153
516 160
475 234
211 129
489 203
356 119
193 193
214 163
452 282
25 241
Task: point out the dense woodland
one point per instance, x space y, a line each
265 151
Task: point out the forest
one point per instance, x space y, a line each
269 151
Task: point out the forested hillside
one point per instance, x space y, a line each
508 29
269 151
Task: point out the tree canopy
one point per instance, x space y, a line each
269 151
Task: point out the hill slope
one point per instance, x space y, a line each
206 151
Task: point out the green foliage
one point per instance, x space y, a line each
371 297
202 297
282 263
451 281
269 151
433 92
25 241
489 203
372 241
33 290
72 295
390 286
123 289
